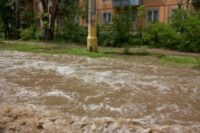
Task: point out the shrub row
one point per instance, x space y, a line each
182 33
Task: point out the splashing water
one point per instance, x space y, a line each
101 88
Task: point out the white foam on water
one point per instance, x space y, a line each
123 109
66 70
108 78
156 84
87 74
115 81
27 93
114 109
87 98
93 107
161 86
58 93
173 107
102 106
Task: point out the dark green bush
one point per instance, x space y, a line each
120 33
105 38
121 29
188 26
28 33
1 29
161 35
105 35
73 32
26 18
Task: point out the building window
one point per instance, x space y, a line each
107 17
153 15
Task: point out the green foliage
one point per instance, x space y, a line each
181 60
126 49
177 20
27 18
1 28
182 32
105 35
45 19
188 26
118 33
122 28
52 49
73 32
28 33
8 18
161 35
141 12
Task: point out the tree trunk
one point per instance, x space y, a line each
45 5
6 29
53 16
17 19
45 9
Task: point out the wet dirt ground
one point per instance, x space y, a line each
54 93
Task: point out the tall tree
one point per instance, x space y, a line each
7 17
17 19
53 11
50 13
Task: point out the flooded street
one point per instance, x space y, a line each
102 89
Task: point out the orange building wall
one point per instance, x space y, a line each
103 6
165 8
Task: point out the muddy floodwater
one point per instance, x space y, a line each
101 89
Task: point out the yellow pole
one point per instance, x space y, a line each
92 32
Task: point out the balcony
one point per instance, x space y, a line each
125 3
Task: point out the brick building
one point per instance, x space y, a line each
155 10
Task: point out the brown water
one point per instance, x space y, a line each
101 88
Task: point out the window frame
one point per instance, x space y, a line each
152 17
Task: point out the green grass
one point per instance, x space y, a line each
138 53
52 49
181 60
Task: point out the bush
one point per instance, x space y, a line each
26 18
120 33
188 25
28 33
73 32
161 35
122 29
105 35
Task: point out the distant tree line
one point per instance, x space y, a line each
16 20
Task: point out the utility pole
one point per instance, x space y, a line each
92 32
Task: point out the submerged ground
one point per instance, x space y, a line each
66 93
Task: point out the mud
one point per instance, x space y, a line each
95 95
